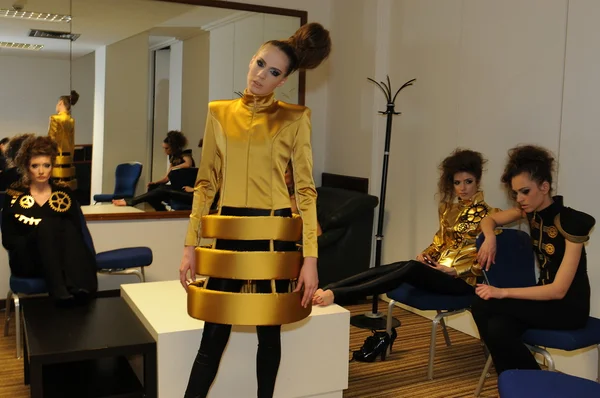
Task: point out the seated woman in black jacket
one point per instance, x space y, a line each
41 227
159 191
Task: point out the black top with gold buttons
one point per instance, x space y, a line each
550 229
21 214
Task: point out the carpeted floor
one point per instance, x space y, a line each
403 374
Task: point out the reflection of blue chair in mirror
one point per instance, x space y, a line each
126 179
179 178
541 384
127 261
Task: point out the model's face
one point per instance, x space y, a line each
530 195
465 185
267 70
59 106
167 148
40 168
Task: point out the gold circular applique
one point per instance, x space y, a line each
26 202
552 232
60 201
549 248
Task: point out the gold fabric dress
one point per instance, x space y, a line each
454 243
248 143
62 130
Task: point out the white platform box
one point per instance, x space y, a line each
314 360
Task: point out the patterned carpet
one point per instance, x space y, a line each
402 374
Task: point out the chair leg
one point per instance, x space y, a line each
18 325
484 375
445 331
143 274
7 312
546 355
388 326
434 325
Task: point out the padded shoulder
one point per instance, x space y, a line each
298 110
574 225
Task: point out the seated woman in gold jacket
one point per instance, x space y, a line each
449 264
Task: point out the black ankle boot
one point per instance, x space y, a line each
374 346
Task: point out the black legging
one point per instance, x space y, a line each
161 193
501 325
385 278
57 252
215 336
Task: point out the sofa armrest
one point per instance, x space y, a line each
329 237
337 208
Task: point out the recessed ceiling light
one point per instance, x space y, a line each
52 34
35 16
21 46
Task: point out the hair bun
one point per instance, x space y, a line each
311 44
74 97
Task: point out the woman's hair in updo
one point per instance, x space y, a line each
70 100
538 162
461 160
306 48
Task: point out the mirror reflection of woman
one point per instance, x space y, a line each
41 227
447 266
247 146
62 130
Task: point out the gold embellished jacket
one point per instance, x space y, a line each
21 214
62 130
248 143
454 243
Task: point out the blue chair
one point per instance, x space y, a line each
126 179
127 261
512 275
541 384
447 305
181 178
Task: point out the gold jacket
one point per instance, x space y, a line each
454 243
62 130
248 143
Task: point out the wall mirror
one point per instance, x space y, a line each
142 68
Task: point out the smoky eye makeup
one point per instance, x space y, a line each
469 181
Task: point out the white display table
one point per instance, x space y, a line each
314 361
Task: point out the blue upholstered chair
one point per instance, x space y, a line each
542 384
181 178
519 253
128 261
512 275
126 179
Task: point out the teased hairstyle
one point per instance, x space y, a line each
538 162
69 100
176 141
461 160
306 48
34 146
14 145
4 140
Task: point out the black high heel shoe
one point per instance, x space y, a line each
374 346
393 338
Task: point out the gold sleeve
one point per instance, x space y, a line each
304 185
52 128
207 183
435 248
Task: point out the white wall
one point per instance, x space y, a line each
83 78
30 90
194 103
162 93
125 108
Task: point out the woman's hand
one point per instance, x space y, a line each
421 258
487 292
486 256
188 189
150 183
187 266
308 279
442 268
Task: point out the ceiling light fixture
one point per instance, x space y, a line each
21 46
34 16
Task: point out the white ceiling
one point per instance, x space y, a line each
103 22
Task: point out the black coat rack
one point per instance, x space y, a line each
375 320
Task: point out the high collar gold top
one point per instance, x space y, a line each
248 143
62 130
454 243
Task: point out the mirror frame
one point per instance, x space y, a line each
303 15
